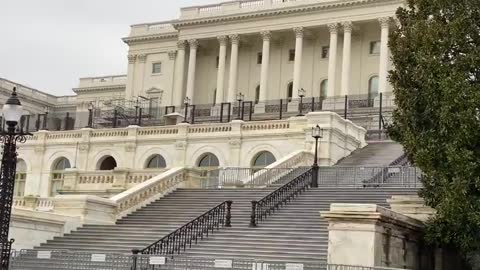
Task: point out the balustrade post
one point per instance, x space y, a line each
228 216
253 216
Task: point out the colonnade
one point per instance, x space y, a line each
234 41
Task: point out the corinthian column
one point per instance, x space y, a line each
297 68
179 74
347 54
232 81
382 72
332 59
266 35
191 68
221 68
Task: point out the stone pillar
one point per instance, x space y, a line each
192 63
297 69
232 80
142 59
332 59
179 74
132 58
221 68
347 54
266 35
382 73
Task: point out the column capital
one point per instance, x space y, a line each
333 28
234 39
172 54
222 40
132 58
266 35
347 27
384 22
181 44
193 43
142 58
298 32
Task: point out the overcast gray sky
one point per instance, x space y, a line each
49 44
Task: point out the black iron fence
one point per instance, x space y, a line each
190 233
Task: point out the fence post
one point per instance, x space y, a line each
380 127
281 108
37 124
135 253
192 114
115 118
228 217
345 108
27 125
221 112
253 216
139 116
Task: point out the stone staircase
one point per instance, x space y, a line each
375 154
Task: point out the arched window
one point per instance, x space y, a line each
263 159
372 90
290 91
107 164
257 94
323 89
57 175
208 160
20 177
155 162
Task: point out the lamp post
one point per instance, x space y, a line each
45 119
301 94
186 101
12 112
317 133
90 115
240 98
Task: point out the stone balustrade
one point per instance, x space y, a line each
34 203
102 81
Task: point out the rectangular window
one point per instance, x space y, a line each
291 55
375 47
156 68
259 58
325 52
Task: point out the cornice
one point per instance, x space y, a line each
99 88
149 38
276 12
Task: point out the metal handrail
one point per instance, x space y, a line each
264 207
178 240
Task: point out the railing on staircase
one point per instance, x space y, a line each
190 233
263 208
383 175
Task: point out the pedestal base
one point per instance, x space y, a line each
333 104
259 108
293 106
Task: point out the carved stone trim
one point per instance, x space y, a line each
347 27
234 39
298 32
142 58
172 54
384 22
181 44
193 44
132 58
333 28
266 35
222 40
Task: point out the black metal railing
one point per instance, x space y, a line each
263 208
190 233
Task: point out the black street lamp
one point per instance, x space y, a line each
12 112
317 133
301 94
90 115
186 101
240 98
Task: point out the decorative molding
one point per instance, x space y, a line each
333 28
100 88
298 32
130 147
181 44
84 147
222 40
132 58
172 54
181 145
235 143
384 22
347 27
266 35
193 44
148 38
142 58
234 39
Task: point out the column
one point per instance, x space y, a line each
142 59
232 81
266 35
347 54
191 68
382 73
221 68
132 58
332 59
179 74
297 68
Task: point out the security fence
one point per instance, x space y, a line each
61 259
